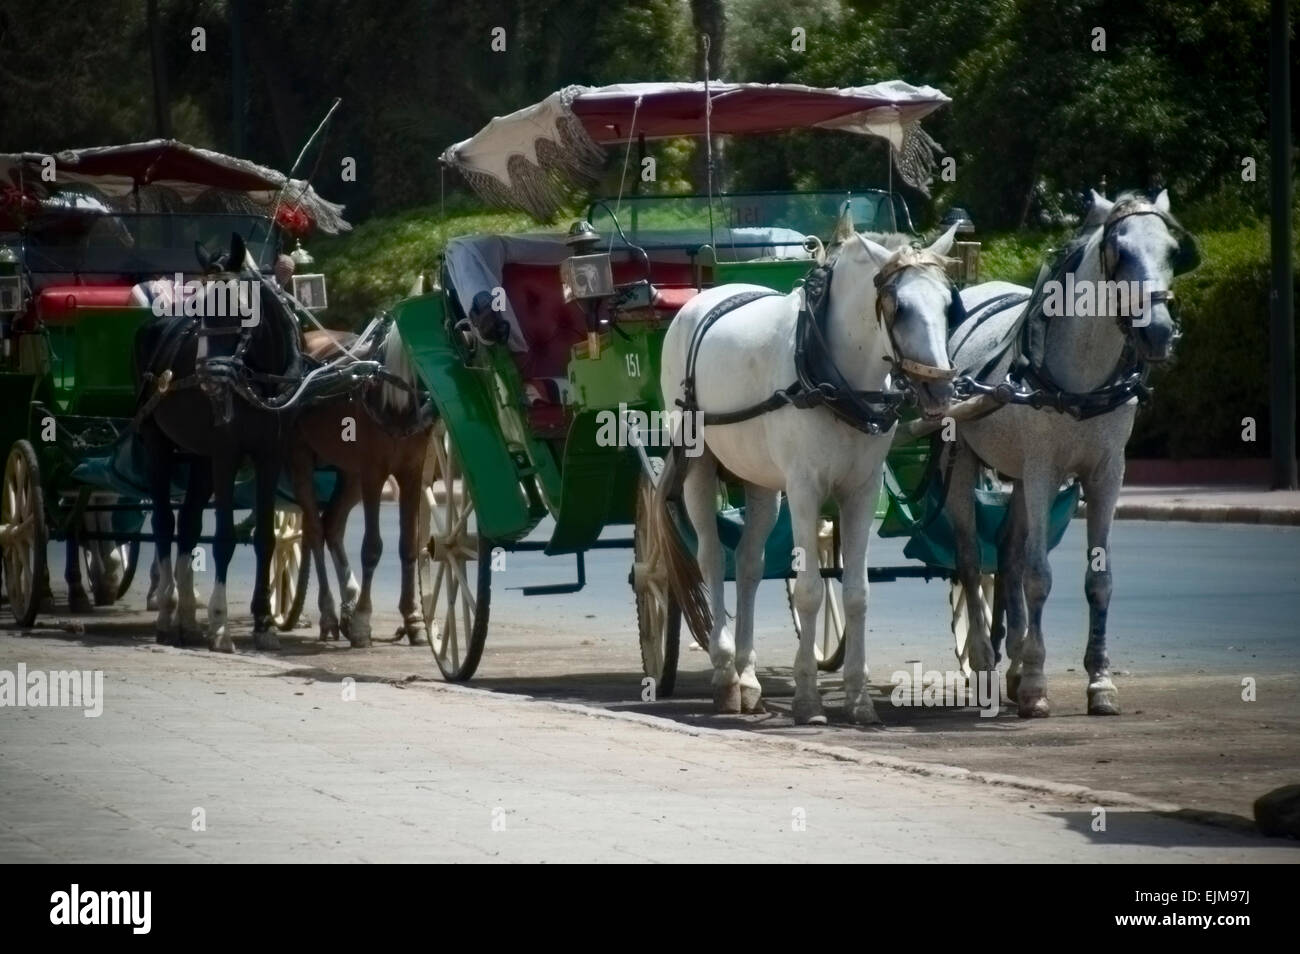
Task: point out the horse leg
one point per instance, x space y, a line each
151 598
1031 691
699 494
160 454
409 493
805 518
313 535
761 507
961 510
267 467
372 548
856 513
1102 493
1011 586
223 549
347 493
78 599
197 491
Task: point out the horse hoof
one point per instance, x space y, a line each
105 597
751 699
1013 687
79 602
726 699
1103 702
266 640
329 628
864 713
1033 706
166 637
808 713
224 643
151 602
191 637
417 635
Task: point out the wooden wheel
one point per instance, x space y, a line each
23 533
658 617
290 570
961 623
454 570
829 645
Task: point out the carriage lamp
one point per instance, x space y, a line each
965 250
11 295
587 277
308 287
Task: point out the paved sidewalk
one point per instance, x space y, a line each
284 768
1210 504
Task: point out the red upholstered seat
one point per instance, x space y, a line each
58 304
552 327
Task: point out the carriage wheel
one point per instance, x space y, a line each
23 533
289 570
829 645
658 617
961 617
454 570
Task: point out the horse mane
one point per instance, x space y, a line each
398 363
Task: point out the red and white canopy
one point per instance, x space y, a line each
531 158
161 171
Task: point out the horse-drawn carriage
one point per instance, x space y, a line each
81 232
543 351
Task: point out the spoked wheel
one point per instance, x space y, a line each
961 621
829 645
290 569
23 533
658 617
454 570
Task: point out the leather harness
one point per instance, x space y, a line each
818 381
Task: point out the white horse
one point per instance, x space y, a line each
1086 356
810 453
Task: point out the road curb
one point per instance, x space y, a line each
1081 794
1203 513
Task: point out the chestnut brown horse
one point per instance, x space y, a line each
367 435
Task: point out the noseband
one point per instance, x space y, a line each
885 280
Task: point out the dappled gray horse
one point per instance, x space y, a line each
1076 379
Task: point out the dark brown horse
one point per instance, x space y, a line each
366 435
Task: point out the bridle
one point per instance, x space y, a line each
885 281
1185 260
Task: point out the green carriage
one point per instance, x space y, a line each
80 232
541 350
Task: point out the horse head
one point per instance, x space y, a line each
1143 246
916 303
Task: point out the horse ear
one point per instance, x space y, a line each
1162 201
237 253
1099 209
943 244
875 251
844 229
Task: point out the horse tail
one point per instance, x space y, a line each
684 577
398 363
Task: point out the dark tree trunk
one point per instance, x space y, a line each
162 117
